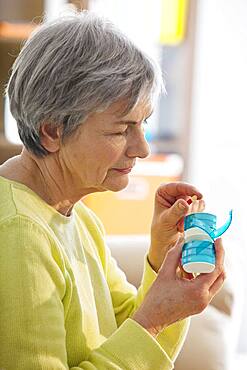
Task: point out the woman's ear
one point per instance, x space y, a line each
50 137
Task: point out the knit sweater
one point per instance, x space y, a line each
64 302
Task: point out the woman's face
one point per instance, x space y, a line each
101 153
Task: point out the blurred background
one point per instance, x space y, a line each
197 132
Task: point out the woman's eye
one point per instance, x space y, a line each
124 132
121 133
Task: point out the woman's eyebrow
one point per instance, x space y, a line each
124 121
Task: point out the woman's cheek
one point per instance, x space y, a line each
116 148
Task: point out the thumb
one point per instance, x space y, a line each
177 211
172 260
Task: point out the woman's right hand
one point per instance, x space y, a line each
173 296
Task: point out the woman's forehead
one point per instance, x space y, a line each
139 112
115 114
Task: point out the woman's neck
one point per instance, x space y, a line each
45 178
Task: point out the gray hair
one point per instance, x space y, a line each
71 67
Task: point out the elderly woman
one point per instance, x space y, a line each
80 92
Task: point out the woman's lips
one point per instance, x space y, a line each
123 170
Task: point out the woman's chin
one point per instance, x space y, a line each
117 185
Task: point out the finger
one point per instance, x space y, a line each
194 207
201 205
177 211
188 275
174 190
219 267
217 285
183 274
180 225
197 206
185 197
171 263
220 253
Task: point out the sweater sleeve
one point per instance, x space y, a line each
172 338
32 324
126 299
32 287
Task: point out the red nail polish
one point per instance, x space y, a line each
189 201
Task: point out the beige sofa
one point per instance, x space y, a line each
213 337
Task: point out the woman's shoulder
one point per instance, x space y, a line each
7 205
22 225
19 205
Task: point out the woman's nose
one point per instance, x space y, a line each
138 146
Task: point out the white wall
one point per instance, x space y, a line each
218 151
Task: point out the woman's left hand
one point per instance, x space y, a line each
169 211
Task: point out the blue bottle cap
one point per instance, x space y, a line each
223 228
207 223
